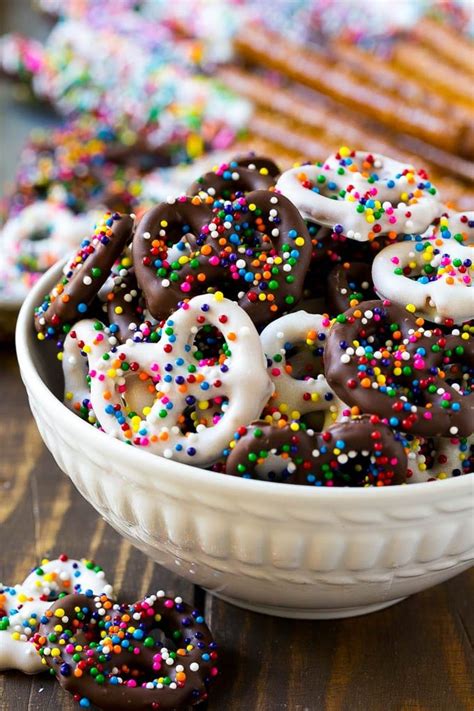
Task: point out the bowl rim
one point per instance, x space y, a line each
421 492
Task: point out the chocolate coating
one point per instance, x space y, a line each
223 183
258 245
332 456
117 648
289 221
150 254
124 305
415 395
71 298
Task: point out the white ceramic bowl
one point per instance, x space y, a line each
288 550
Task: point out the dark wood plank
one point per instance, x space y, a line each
415 656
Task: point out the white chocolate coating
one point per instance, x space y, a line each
296 397
241 377
389 192
448 296
76 366
24 607
79 362
451 224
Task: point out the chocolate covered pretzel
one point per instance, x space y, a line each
72 297
256 249
359 452
240 175
381 359
157 653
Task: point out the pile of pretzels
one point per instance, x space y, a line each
313 327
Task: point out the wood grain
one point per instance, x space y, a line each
416 655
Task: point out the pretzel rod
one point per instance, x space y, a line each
389 78
445 41
450 81
315 71
287 157
314 115
287 102
289 135
303 114
442 161
263 146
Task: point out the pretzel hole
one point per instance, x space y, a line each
304 361
405 391
275 467
315 420
181 247
205 413
429 455
139 394
460 376
432 460
209 344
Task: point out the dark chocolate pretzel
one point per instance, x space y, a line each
273 290
382 344
165 281
124 305
240 175
359 452
157 653
255 249
72 297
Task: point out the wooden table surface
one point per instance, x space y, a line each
416 656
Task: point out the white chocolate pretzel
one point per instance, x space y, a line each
441 285
83 345
177 382
293 396
360 194
87 343
22 606
456 225
44 232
